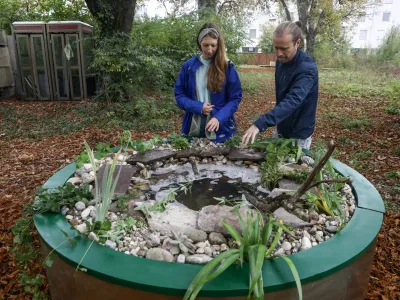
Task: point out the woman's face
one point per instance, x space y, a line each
209 46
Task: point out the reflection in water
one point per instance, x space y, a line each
203 192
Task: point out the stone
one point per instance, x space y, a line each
69 217
286 246
208 251
151 156
82 228
287 184
279 252
64 210
210 218
88 167
224 248
87 178
92 236
214 152
159 254
178 219
75 180
153 240
289 169
200 245
313 215
110 244
290 219
181 259
331 229
279 194
199 259
200 250
307 160
85 213
216 238
80 206
125 175
314 244
305 243
245 154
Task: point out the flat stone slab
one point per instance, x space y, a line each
245 154
124 178
214 152
151 156
287 184
290 219
186 153
211 216
177 218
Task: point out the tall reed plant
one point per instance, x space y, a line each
105 195
253 249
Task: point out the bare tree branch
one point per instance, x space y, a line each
305 186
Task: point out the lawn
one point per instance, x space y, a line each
39 138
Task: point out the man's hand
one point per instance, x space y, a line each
207 108
212 125
250 135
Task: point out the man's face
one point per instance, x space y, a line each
285 48
209 46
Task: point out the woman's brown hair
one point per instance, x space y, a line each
219 63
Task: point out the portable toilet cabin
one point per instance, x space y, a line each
71 48
33 60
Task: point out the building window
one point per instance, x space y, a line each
362 19
386 16
363 34
388 1
380 35
253 33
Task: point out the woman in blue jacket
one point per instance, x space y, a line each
208 89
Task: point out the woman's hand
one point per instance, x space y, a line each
207 108
212 125
250 135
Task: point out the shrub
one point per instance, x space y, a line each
394 98
127 68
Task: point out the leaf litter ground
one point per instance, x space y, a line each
368 140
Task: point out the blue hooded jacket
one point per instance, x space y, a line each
226 102
296 84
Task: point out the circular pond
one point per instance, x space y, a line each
336 269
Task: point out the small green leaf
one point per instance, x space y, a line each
106 225
64 233
72 242
50 259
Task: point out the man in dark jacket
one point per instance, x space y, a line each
296 83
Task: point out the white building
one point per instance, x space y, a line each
372 28
261 20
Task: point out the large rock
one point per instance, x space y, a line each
159 254
245 154
290 219
290 169
125 175
177 218
151 156
210 218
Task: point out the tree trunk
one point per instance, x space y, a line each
113 16
287 12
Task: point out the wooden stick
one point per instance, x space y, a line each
306 185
